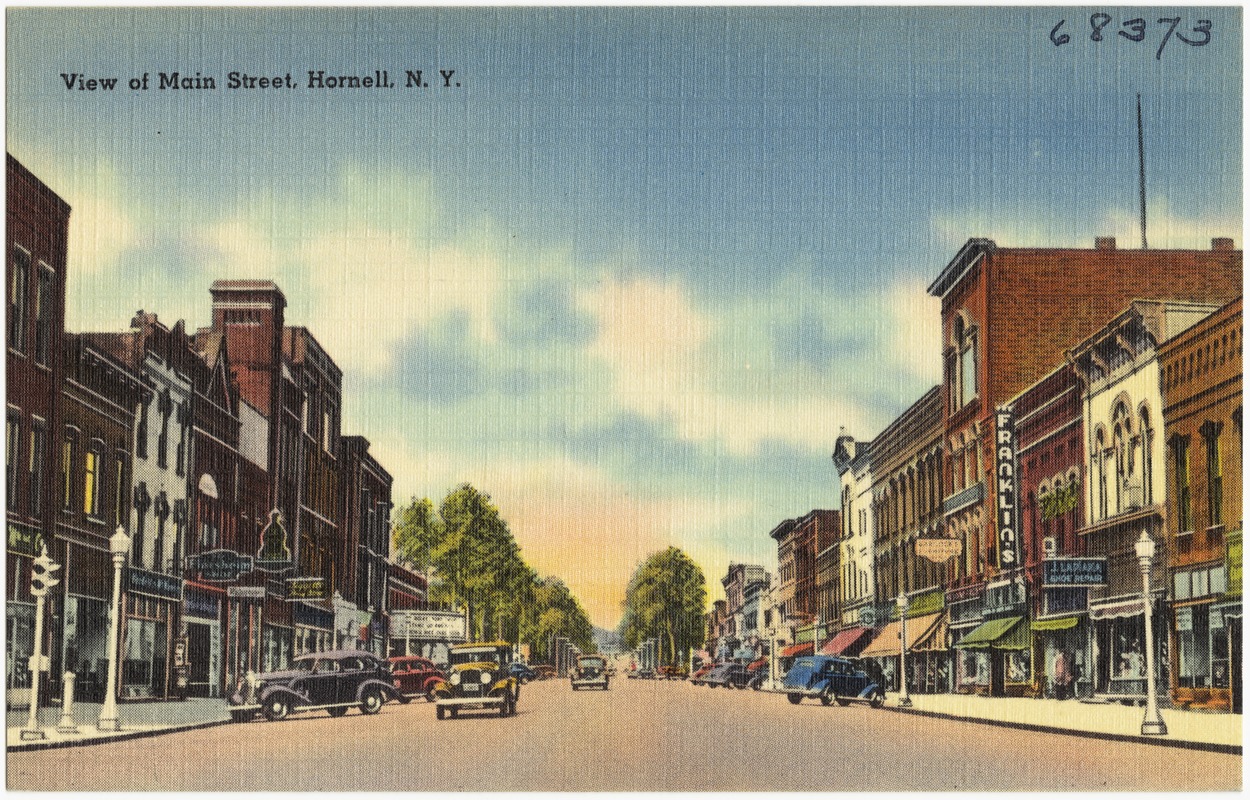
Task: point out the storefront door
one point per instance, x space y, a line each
199 638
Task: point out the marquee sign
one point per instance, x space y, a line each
421 624
1005 475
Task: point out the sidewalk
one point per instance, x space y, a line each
1190 729
135 719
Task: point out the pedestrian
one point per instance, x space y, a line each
1062 676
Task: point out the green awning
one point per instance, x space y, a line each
1000 634
1056 624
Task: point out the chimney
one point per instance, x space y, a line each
1104 243
1222 243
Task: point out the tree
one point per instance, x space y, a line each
665 600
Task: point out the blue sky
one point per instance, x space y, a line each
636 271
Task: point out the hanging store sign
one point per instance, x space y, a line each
245 592
1005 478
274 555
219 566
939 550
314 588
1074 572
23 539
153 584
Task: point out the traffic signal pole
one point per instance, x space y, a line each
41 580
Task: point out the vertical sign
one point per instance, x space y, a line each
1005 478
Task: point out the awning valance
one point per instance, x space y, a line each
804 649
887 642
1056 624
1125 608
845 642
1008 633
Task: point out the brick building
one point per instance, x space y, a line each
36 233
1202 418
360 602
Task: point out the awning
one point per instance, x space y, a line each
845 642
1000 634
887 642
1056 624
935 639
804 649
1126 608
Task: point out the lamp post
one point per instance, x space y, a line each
119 545
1152 724
904 699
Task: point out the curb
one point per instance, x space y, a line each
1211 747
121 737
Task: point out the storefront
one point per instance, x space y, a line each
1061 647
19 613
201 616
85 620
152 601
1119 655
313 627
885 650
965 608
848 642
243 632
277 641
1002 653
1204 624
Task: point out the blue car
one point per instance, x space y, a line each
522 672
833 678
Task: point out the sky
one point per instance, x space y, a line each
627 270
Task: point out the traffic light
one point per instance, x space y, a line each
41 574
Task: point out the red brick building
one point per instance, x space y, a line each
1202 416
36 233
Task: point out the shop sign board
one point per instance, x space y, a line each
939 550
200 605
220 566
308 588
246 592
23 539
1074 572
153 584
1005 479
423 624
1232 561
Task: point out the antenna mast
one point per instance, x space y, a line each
1141 174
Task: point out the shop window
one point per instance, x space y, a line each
1194 651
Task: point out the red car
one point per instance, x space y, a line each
415 676
697 677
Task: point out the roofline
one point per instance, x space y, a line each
963 261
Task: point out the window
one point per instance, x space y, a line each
141 431
12 431
1101 458
119 489
38 457
67 468
90 480
18 301
1215 473
44 299
1147 462
165 407
1180 455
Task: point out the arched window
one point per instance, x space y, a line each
1147 462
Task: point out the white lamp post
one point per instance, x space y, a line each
1152 724
904 699
119 545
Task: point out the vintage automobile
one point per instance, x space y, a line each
757 671
730 676
478 679
701 673
333 681
416 676
670 672
522 672
590 670
544 671
833 678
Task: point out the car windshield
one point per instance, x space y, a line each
304 664
592 662
805 663
470 655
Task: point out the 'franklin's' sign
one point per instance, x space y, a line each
1005 474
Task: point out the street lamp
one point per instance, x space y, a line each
904 699
119 545
1152 724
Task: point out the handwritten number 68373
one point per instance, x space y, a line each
1135 31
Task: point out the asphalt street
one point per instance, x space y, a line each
639 735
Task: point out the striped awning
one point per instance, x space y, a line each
1056 624
888 641
845 642
804 649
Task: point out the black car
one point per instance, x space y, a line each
334 681
730 676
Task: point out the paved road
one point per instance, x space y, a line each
639 735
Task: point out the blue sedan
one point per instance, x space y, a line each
833 678
522 672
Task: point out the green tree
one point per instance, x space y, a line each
665 600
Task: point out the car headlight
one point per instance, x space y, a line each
455 679
486 677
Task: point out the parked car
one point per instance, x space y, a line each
833 678
670 672
544 671
757 672
478 679
701 673
333 681
416 676
522 672
731 676
590 670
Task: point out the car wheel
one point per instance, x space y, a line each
337 711
440 712
877 700
842 701
795 698
826 698
371 702
452 712
276 708
503 707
